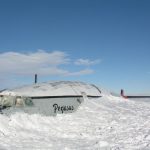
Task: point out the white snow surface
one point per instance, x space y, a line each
55 88
107 123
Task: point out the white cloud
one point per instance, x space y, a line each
14 66
86 62
40 62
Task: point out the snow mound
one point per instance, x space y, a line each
107 123
55 88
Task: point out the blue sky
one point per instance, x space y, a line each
106 42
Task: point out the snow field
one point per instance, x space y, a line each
107 123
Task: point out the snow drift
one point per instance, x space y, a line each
106 123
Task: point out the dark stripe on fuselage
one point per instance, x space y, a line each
63 96
137 96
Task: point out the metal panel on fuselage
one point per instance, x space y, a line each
53 106
48 106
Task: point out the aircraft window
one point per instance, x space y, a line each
19 102
28 101
6 101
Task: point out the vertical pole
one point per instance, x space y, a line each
35 81
122 94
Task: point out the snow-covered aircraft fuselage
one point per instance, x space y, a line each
48 98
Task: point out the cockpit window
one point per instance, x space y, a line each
6 101
28 101
18 101
24 101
